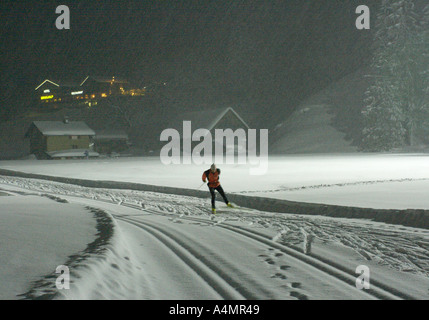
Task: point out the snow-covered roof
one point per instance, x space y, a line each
72 153
60 128
47 81
104 79
59 83
110 134
207 119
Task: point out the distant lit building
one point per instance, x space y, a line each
55 92
99 87
88 92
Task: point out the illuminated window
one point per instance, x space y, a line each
46 97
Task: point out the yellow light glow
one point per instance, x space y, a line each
46 97
104 95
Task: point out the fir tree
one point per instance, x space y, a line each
394 100
383 118
425 63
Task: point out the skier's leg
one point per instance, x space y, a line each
212 192
222 193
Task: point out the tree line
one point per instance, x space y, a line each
396 108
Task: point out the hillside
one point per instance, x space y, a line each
331 121
327 122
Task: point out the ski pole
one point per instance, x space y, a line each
201 186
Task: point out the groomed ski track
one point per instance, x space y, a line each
216 268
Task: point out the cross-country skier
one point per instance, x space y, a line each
212 175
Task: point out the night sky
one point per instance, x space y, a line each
264 56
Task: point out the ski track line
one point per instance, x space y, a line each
321 186
235 289
328 267
205 270
378 290
217 283
339 273
191 259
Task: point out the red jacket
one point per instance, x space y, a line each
212 177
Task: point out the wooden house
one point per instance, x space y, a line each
60 139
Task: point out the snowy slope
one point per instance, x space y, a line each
327 122
169 247
166 246
37 235
309 130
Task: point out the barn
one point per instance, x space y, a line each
225 118
60 139
111 141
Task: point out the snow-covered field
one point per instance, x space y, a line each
378 181
129 244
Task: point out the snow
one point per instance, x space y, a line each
310 130
328 121
391 181
167 246
37 235
73 153
60 128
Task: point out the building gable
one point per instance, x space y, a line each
226 118
47 85
61 128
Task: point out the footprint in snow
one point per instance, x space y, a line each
279 276
298 295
